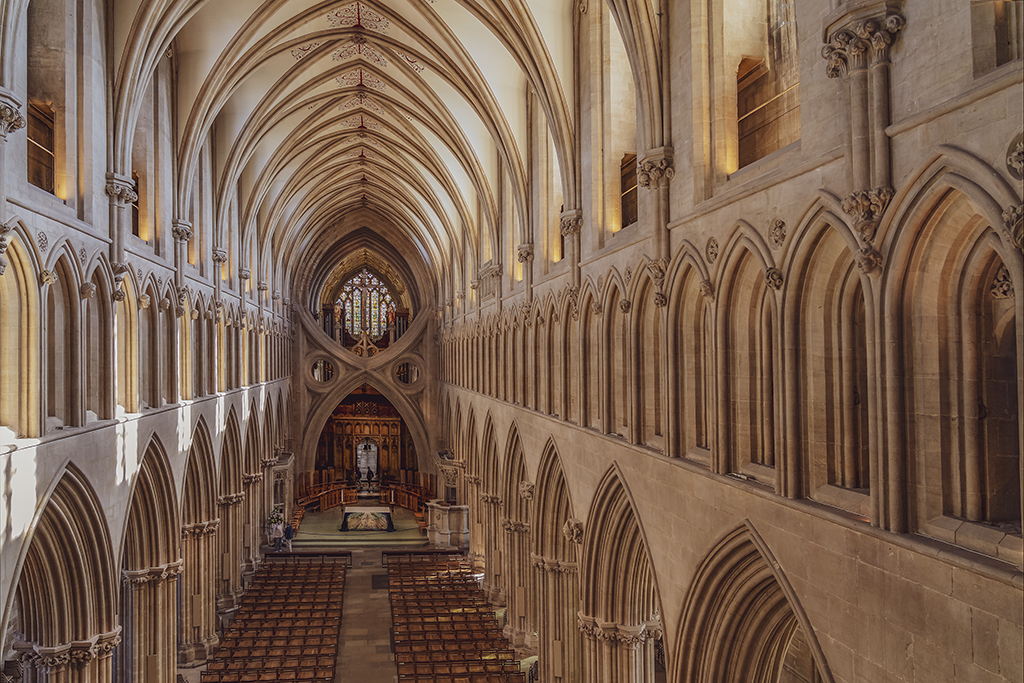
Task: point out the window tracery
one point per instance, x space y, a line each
367 305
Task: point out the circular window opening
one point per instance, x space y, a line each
407 373
323 370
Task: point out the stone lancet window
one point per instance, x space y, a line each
367 304
627 172
41 160
768 88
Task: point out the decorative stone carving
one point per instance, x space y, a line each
660 300
571 224
121 271
231 499
525 253
48 277
526 490
11 119
181 230
244 273
88 290
711 250
1013 224
654 167
707 290
121 190
773 278
1002 285
220 255
869 260
625 305
252 477
276 296
5 237
472 479
573 530
82 256
866 208
144 301
263 286
152 574
1015 159
43 241
848 48
200 528
776 232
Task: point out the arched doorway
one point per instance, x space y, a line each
367 443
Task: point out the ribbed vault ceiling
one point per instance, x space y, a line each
414 110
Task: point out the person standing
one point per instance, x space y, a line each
289 534
278 536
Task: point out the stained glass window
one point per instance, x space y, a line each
367 304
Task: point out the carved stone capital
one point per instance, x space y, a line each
181 229
866 208
655 166
526 489
276 296
573 530
121 190
244 273
11 118
525 253
571 223
231 499
473 479
854 39
48 277
262 286
220 255
200 529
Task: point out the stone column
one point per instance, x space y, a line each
121 191
182 231
655 172
571 224
11 120
855 40
199 632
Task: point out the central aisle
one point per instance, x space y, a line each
364 648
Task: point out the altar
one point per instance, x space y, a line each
367 518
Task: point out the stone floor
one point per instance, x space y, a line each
364 651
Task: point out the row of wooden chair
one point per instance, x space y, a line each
286 628
454 656
456 668
444 629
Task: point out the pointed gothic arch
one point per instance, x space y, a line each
150 569
67 590
199 524
742 622
620 602
556 570
516 579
